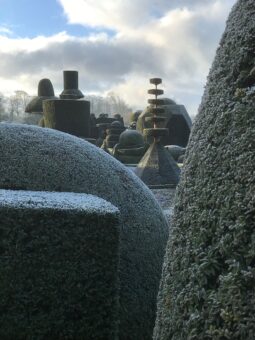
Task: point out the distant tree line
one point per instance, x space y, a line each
12 108
111 104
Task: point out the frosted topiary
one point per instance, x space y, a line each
59 266
33 158
207 290
176 151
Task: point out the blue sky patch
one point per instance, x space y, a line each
30 18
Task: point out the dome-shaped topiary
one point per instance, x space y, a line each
207 290
45 91
41 159
131 138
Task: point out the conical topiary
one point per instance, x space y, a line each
208 285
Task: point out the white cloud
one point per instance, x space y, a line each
5 30
113 14
125 14
175 40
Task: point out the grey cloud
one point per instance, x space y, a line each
99 62
105 64
191 4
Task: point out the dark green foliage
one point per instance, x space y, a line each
71 90
131 147
208 285
69 115
131 139
177 122
58 270
134 116
45 91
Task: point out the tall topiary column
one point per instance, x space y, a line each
71 88
207 289
157 168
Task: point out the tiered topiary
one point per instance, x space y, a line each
113 134
207 290
157 167
177 121
131 147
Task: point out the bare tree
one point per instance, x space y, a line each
117 104
2 109
17 104
23 99
3 113
110 104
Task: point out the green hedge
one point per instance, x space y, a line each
208 285
59 256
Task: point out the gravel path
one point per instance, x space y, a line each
165 197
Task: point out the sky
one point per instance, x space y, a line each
116 45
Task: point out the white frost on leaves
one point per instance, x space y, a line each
40 159
212 233
54 200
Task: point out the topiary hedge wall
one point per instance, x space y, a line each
59 257
208 285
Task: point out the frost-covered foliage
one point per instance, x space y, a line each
67 201
32 158
207 289
59 256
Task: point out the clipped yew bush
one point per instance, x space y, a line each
59 257
41 159
208 283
